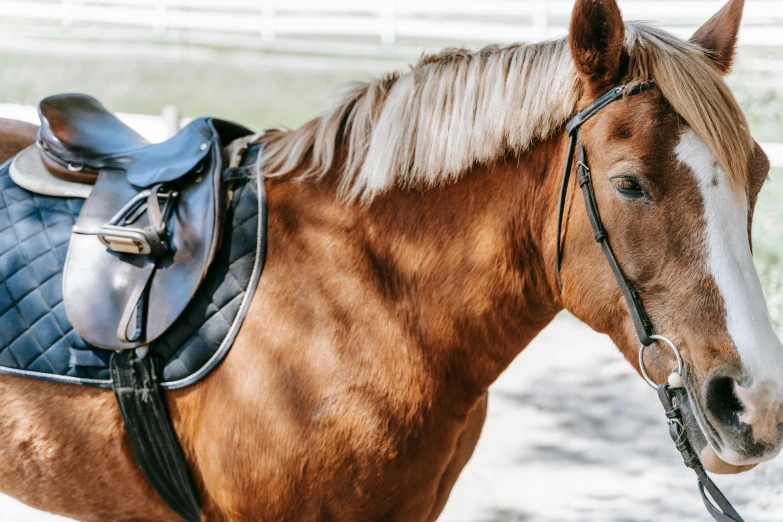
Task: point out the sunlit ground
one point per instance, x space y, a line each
574 435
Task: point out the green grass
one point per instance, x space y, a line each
256 96
764 110
768 243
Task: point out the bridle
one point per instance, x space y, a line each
672 394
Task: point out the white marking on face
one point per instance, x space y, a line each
731 264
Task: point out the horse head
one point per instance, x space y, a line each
676 175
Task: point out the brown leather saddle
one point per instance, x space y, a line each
151 225
140 249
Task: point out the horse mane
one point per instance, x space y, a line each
459 108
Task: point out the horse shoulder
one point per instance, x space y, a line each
322 409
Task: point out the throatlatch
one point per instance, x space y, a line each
673 393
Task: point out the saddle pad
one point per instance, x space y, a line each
38 341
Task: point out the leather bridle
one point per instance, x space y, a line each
673 393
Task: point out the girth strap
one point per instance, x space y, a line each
151 434
139 395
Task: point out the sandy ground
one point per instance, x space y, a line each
574 435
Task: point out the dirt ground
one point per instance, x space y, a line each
574 435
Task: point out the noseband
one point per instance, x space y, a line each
672 393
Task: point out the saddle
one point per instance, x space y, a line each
142 286
149 229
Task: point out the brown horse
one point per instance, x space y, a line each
16 135
411 258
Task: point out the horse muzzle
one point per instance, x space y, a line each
741 426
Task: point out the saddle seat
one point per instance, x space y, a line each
79 128
84 126
79 137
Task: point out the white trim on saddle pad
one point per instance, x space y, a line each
29 172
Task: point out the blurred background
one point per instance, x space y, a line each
572 434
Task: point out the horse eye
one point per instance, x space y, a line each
629 187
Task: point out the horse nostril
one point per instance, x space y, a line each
722 402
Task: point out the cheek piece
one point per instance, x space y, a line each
672 393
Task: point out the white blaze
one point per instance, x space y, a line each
731 263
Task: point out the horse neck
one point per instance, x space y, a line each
467 267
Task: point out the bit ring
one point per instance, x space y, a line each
663 339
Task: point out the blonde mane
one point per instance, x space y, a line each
460 108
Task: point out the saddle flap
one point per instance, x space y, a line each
99 284
29 172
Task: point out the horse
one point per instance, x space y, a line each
411 257
16 135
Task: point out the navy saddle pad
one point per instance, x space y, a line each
38 341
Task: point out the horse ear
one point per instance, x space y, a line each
718 36
597 39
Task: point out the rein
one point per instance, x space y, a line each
672 394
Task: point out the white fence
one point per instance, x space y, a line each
386 22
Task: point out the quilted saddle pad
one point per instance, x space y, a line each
38 341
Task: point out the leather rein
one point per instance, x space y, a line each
672 394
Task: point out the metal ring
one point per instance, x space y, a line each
75 167
641 358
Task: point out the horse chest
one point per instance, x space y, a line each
391 477
329 452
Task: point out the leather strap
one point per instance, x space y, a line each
641 321
131 326
724 511
572 128
157 233
143 407
719 507
606 99
561 206
151 434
